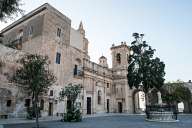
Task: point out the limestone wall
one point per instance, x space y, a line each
72 46
76 39
9 62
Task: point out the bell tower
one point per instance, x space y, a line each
120 54
122 95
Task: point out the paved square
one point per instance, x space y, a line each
120 121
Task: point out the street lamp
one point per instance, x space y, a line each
131 52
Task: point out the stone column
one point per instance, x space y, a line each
126 95
84 107
105 99
93 97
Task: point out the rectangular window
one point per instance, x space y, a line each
8 103
58 32
30 30
18 43
75 70
118 58
99 97
20 34
107 85
58 58
51 93
99 100
27 102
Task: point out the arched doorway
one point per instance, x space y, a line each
180 106
6 102
184 107
120 107
139 103
88 105
187 107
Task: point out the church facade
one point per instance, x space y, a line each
46 31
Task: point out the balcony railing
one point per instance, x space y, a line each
78 72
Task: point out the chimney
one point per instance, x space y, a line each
189 81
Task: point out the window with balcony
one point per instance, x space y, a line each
77 71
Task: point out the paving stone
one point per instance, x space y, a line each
117 121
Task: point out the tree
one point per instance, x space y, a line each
8 8
34 77
71 92
182 93
176 92
144 71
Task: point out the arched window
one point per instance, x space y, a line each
118 58
99 97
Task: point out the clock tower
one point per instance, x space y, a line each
122 93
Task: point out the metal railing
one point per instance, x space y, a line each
163 110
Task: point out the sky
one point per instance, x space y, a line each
165 23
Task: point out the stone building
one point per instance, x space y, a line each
188 106
46 31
